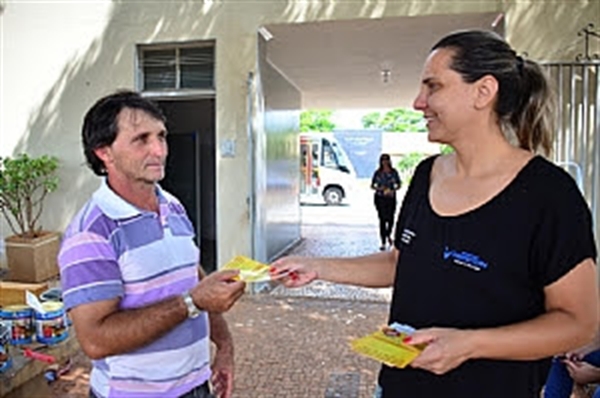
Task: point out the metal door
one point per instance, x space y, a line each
577 141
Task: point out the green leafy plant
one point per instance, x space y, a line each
446 149
24 183
316 120
401 120
406 166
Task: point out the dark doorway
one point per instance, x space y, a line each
190 171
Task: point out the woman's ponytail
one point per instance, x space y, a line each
533 120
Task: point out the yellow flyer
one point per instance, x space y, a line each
387 347
250 270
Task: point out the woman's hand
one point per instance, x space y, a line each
582 372
294 271
446 349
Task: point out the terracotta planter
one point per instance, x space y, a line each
32 260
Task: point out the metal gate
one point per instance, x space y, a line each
577 141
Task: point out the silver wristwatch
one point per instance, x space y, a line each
192 310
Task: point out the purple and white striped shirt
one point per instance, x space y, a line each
112 250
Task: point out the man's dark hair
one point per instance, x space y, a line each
100 125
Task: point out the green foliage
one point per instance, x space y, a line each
406 166
400 120
24 184
446 149
371 120
316 120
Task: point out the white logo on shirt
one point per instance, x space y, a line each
407 236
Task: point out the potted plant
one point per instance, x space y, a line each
24 184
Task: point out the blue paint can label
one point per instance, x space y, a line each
5 360
50 326
21 323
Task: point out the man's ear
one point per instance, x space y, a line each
103 154
486 91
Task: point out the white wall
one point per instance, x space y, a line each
38 55
404 143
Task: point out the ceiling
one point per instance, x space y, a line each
340 64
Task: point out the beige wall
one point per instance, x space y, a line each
58 57
547 29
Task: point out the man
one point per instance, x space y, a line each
129 268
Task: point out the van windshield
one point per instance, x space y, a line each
343 160
334 156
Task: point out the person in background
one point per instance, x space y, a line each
575 373
495 257
386 181
129 268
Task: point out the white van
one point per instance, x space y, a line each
327 174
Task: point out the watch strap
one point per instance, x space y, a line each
192 309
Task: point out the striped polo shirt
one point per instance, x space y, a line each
113 249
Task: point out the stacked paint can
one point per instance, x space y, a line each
5 360
19 323
55 294
20 320
16 328
50 325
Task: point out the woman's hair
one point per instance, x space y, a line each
525 104
382 157
100 125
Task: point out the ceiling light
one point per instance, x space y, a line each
386 75
264 32
498 19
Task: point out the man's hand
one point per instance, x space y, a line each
222 373
218 291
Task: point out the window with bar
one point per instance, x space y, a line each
176 67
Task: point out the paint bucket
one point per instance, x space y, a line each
50 326
5 360
19 317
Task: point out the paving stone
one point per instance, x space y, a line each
343 385
336 241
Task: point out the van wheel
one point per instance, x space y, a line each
333 196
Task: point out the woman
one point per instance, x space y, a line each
385 182
575 372
495 256
574 375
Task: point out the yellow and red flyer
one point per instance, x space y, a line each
250 270
386 346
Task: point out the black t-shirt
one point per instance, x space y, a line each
485 268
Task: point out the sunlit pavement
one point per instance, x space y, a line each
337 241
339 231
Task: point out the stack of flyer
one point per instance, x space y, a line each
387 346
